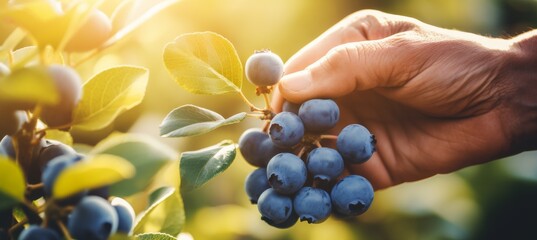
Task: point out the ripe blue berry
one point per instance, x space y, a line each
352 195
291 220
319 115
36 232
93 218
286 173
6 146
312 205
125 214
274 207
264 68
249 143
290 107
355 143
286 130
257 148
255 184
53 169
325 164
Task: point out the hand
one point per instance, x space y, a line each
437 100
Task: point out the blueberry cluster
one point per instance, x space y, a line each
90 214
298 178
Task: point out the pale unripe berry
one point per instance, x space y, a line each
92 34
264 68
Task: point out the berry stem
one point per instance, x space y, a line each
318 144
64 230
266 126
267 101
17 226
333 137
301 152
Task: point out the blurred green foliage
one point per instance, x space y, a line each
490 201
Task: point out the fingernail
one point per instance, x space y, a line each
297 81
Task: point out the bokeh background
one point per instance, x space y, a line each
497 200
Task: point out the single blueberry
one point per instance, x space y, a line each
255 184
286 173
36 232
312 205
355 143
93 219
319 115
325 164
352 195
275 208
286 129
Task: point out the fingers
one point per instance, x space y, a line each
359 26
347 68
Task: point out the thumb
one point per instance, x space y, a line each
344 69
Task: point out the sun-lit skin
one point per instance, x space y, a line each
437 100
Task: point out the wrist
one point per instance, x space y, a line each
521 73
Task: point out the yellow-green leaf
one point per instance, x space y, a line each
97 171
165 213
108 94
32 84
44 20
204 63
60 136
12 185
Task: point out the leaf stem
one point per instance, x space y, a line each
253 108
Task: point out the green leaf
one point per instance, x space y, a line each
108 94
198 167
154 236
147 156
190 120
32 84
97 171
13 184
165 213
204 63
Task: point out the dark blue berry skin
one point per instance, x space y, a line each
319 115
125 215
287 223
275 208
290 107
53 169
268 150
255 184
257 148
312 205
93 218
352 195
286 129
355 144
325 164
7 145
286 173
249 143
34 232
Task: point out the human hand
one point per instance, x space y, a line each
437 100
